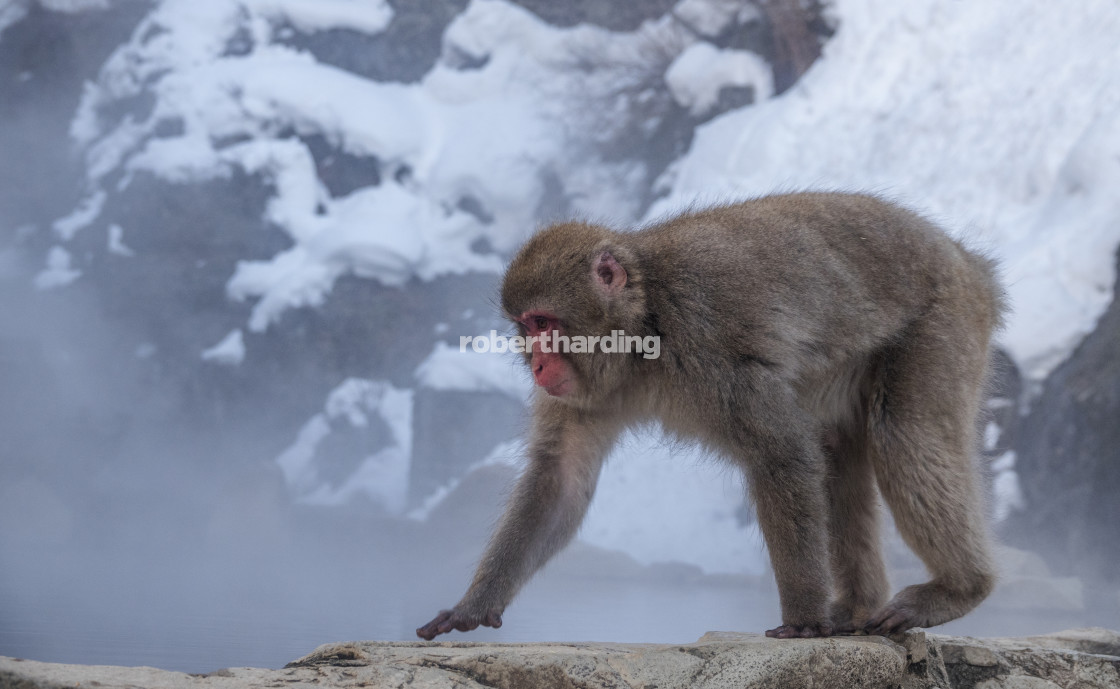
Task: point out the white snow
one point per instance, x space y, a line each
991 435
1006 493
1000 118
711 17
447 368
116 243
58 272
12 12
382 476
86 212
230 351
492 133
384 233
698 74
74 5
367 16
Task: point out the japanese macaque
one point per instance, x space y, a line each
833 346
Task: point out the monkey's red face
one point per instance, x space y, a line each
551 370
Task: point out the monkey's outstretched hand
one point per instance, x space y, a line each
447 620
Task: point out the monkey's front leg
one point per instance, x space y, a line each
543 514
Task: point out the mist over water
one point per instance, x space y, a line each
128 536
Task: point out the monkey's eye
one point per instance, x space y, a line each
540 322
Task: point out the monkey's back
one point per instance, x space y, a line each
818 277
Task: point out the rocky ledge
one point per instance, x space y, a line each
1082 658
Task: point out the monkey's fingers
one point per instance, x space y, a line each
492 619
447 620
441 624
797 631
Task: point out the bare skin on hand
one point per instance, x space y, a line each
447 620
833 346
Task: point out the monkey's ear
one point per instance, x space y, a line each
610 276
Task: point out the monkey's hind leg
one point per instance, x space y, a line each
921 434
859 578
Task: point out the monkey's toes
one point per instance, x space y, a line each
799 631
890 620
849 629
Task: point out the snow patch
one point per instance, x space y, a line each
116 243
367 16
12 12
710 17
86 212
229 352
384 233
58 272
447 368
381 476
72 6
699 73
1006 492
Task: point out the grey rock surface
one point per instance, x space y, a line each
1083 658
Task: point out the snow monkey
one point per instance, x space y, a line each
833 346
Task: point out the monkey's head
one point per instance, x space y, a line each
575 280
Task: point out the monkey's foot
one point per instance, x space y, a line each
799 631
848 629
447 620
892 619
921 605
929 604
850 620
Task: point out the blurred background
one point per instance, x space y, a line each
240 240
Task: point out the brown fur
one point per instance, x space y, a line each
828 344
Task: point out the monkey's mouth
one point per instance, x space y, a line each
560 389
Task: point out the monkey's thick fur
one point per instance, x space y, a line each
827 344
